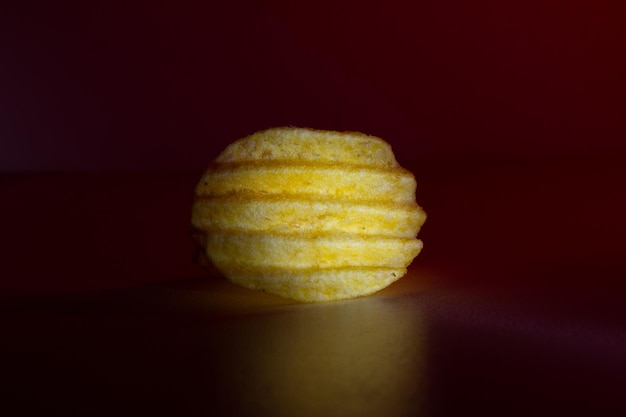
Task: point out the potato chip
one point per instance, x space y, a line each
307 214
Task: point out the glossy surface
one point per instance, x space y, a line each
208 347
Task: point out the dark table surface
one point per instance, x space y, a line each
515 307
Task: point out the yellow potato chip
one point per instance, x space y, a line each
307 214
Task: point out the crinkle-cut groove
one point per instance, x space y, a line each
299 215
302 251
356 183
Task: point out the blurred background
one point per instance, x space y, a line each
146 85
511 115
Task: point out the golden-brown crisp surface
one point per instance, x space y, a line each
307 214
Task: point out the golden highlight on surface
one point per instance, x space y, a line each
307 214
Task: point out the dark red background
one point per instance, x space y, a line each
511 115
109 85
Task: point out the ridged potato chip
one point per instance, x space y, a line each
307 214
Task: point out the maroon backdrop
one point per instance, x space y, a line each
106 85
511 115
